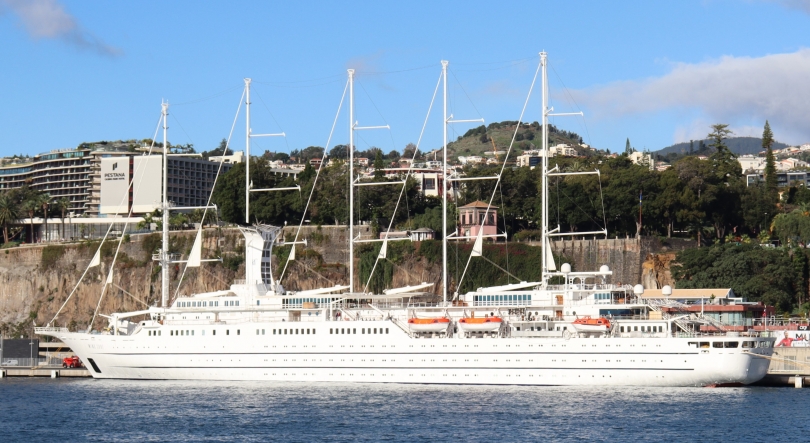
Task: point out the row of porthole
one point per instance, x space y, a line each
188 332
354 331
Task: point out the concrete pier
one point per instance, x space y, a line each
789 367
44 372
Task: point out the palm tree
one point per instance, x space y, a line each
9 212
44 201
62 205
31 205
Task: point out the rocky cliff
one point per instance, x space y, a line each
35 281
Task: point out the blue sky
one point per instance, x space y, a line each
654 72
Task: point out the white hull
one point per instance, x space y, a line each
398 358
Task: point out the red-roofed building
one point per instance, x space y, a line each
472 215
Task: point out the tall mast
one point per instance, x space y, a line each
351 180
165 260
247 151
444 187
544 176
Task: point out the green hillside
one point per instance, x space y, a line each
737 145
478 141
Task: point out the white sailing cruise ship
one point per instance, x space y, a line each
584 331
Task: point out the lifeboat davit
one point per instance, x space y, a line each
486 324
588 324
439 324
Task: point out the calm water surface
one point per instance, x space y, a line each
40 410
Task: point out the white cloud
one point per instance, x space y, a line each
801 5
733 90
48 19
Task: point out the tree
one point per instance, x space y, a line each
222 149
379 165
410 151
719 134
44 201
771 275
627 148
30 206
9 212
770 163
62 205
339 152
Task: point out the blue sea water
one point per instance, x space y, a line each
64 410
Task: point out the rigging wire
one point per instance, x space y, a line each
317 175
109 228
391 133
272 116
571 97
213 187
182 128
506 243
503 167
98 250
407 176
207 97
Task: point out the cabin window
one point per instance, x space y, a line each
635 328
158 333
274 332
227 332
262 331
202 332
693 344
257 302
285 331
214 332
362 330
192 332
238 332
354 330
717 344
237 302
386 330
257 332
748 344
375 330
731 344
342 330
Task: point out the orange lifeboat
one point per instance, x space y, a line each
588 324
438 324
478 324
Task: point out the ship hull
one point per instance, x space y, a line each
395 357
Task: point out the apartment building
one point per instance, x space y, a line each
76 174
